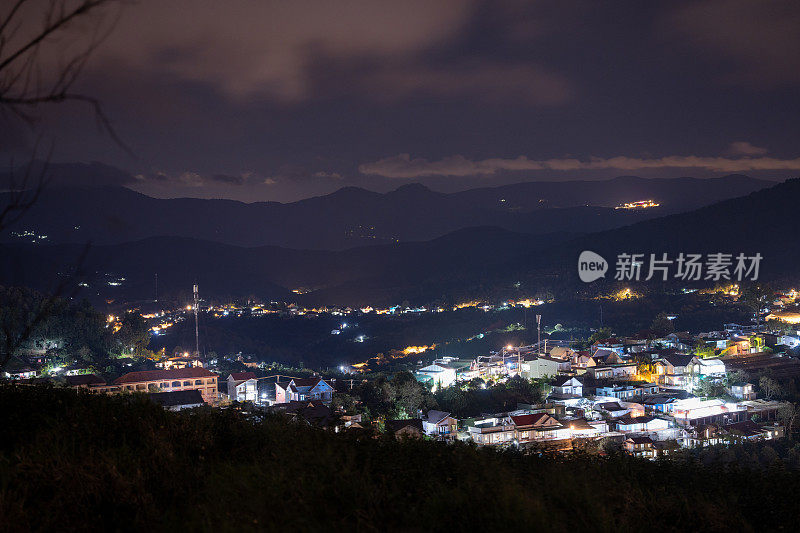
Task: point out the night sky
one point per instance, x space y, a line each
285 100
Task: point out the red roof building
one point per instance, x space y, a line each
195 378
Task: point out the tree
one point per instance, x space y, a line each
410 394
600 335
344 402
28 82
787 415
26 50
662 325
133 335
709 389
756 297
769 387
737 376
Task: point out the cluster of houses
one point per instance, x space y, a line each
184 382
651 424
637 392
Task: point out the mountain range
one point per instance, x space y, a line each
469 261
91 204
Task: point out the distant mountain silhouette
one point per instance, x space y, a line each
468 261
91 212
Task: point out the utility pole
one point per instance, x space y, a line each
196 326
156 287
539 333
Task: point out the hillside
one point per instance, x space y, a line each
78 208
360 275
126 464
473 259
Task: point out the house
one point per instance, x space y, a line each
621 392
303 389
538 427
84 381
660 402
626 392
792 341
639 447
672 370
352 421
582 428
17 370
567 386
77 369
533 367
710 367
600 372
601 355
680 340
749 430
175 379
640 424
614 371
700 412
612 409
582 359
494 430
636 344
178 400
491 365
609 345
440 424
743 391
409 428
441 375
242 387
182 361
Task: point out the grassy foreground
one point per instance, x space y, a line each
72 461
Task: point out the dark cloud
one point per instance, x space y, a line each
760 40
745 148
404 166
284 100
256 50
231 180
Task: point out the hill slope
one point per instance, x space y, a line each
353 217
120 463
473 259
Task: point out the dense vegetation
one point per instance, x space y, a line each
76 461
67 330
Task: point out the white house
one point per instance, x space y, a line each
440 424
303 389
743 391
442 375
242 387
494 430
672 370
709 367
543 367
567 386
792 341
640 424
